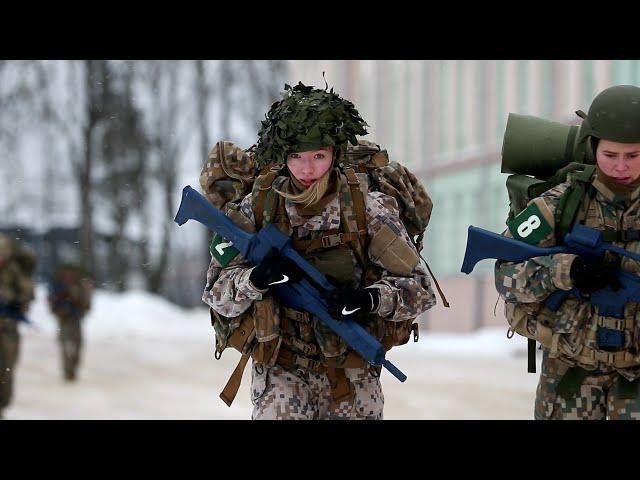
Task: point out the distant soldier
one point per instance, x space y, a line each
17 264
70 300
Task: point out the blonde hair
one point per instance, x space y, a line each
311 195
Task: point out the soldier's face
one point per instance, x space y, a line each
309 166
620 161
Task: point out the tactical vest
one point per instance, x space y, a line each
296 339
575 331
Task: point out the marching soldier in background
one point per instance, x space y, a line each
17 265
70 299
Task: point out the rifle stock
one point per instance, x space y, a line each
583 241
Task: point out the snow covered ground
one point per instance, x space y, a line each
146 358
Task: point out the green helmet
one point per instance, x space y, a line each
614 115
305 119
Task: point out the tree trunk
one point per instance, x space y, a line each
84 174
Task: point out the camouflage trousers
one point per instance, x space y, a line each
70 340
599 397
279 394
9 350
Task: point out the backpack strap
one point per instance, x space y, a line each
571 201
355 198
358 199
263 184
445 303
230 390
341 388
575 200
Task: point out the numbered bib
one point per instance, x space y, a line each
530 225
222 250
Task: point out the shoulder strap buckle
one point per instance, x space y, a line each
352 179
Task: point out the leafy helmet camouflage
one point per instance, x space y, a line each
614 115
305 119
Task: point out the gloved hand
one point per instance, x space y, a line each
275 269
343 302
15 307
589 277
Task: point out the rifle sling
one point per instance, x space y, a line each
230 390
531 355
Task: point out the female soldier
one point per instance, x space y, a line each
590 362
309 372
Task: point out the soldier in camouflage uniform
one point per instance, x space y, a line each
17 265
70 299
586 374
305 371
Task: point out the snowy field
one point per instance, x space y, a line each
145 358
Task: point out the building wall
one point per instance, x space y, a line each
445 119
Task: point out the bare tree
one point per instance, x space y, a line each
224 94
166 116
95 73
203 100
122 157
19 97
75 119
263 80
121 131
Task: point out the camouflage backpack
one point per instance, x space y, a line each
230 172
395 180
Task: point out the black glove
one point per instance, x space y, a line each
589 277
14 307
343 302
275 269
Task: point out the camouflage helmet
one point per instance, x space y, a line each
614 115
305 119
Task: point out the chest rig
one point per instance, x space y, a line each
339 253
576 332
297 339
